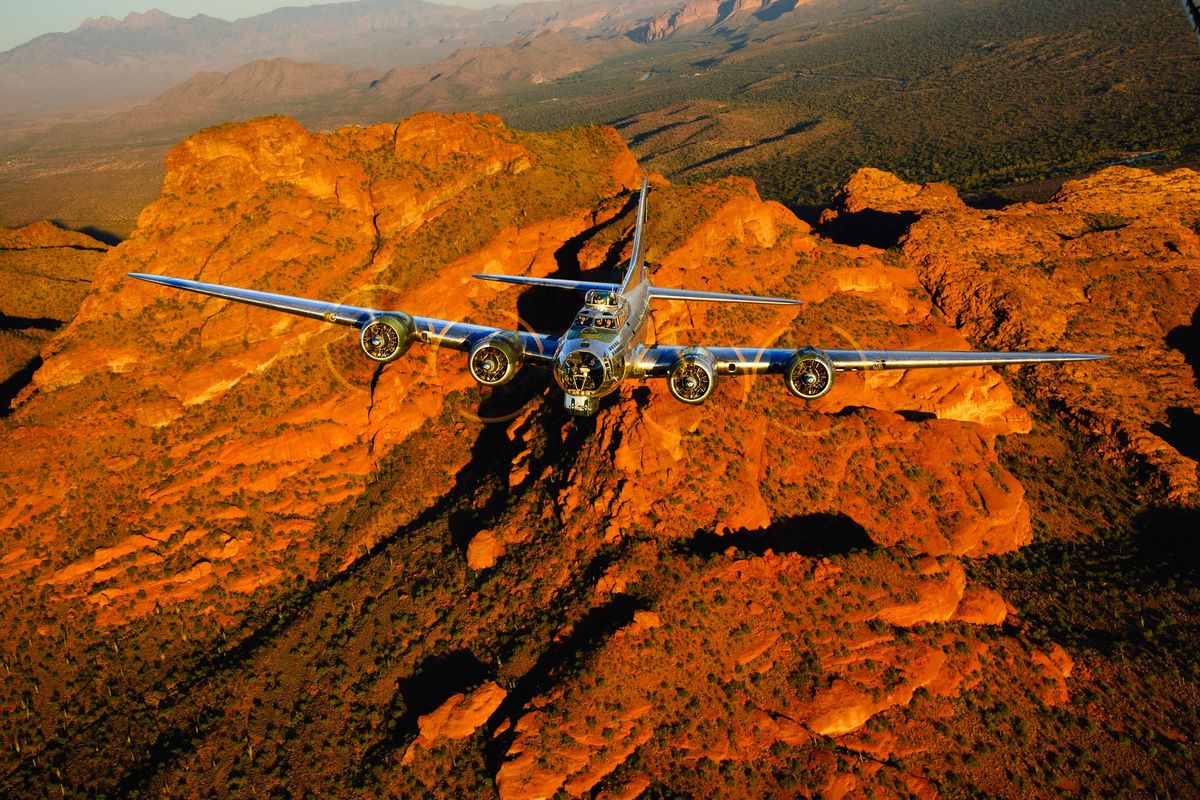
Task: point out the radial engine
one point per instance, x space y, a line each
693 376
495 359
386 338
809 374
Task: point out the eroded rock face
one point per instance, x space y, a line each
753 573
45 273
765 621
460 716
695 15
206 409
1108 265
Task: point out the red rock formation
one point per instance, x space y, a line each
44 234
458 717
345 216
779 619
664 584
44 276
1106 266
876 190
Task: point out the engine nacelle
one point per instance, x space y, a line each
386 338
495 359
693 376
809 374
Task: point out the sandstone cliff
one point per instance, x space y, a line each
1108 265
44 275
467 592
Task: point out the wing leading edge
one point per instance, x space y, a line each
656 361
430 330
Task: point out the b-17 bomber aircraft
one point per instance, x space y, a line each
606 344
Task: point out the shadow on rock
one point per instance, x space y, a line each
435 680
812 535
99 234
1167 544
501 404
1181 431
11 386
870 227
8 323
1186 339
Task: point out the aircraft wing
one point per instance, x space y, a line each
656 361
719 297
456 335
655 291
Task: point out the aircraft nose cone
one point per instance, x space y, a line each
689 383
808 379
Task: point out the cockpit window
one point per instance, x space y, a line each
602 298
592 319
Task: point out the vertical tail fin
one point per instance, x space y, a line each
636 272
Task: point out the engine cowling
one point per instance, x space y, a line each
386 338
809 374
495 359
693 376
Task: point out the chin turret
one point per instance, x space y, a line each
581 406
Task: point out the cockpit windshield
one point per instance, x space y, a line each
596 320
602 298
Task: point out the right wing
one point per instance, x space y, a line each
719 297
539 348
657 360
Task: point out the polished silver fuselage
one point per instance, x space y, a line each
600 348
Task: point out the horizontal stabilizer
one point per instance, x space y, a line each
557 283
719 297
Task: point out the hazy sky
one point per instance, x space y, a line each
23 20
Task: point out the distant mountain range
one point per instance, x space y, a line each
796 95
284 86
110 61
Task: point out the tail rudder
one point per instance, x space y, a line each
635 273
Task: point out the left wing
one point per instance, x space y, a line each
539 348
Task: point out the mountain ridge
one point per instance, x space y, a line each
126 61
789 102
